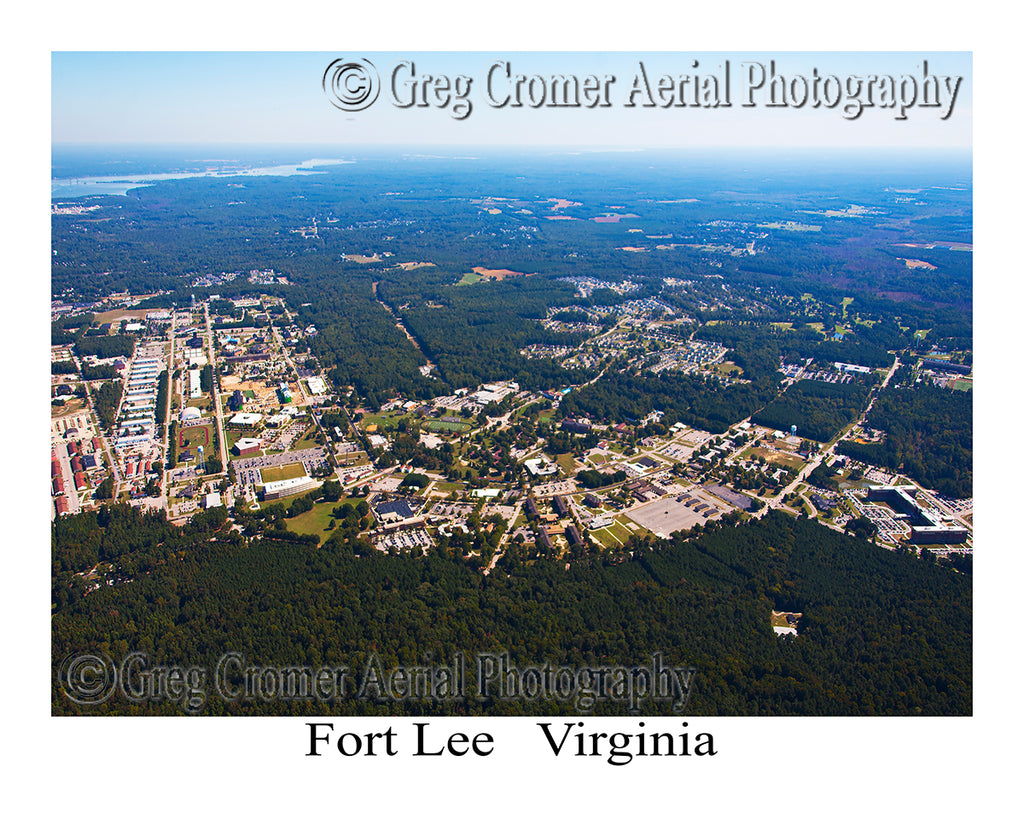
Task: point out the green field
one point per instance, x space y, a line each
566 463
729 368
470 278
383 420
195 436
316 520
308 439
614 536
788 461
446 424
281 473
448 486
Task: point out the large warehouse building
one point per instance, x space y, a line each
925 527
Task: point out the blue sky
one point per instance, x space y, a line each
276 97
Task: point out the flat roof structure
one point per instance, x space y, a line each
272 490
245 419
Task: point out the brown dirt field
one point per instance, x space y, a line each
262 391
117 315
915 264
497 274
414 265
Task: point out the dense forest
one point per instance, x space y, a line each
882 632
695 401
428 210
928 435
818 409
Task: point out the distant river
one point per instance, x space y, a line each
77 187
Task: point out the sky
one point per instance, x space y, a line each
278 97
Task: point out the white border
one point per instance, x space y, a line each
841 767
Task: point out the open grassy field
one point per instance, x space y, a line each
788 461
729 368
283 472
308 438
606 537
566 463
70 407
382 420
447 424
317 519
195 436
448 486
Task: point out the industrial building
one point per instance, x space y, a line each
925 527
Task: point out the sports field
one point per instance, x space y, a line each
281 473
194 436
446 424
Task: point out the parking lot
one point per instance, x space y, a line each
668 515
248 470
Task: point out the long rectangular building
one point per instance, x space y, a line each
272 490
925 528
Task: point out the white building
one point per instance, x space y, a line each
289 486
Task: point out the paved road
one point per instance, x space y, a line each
165 482
816 461
216 393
